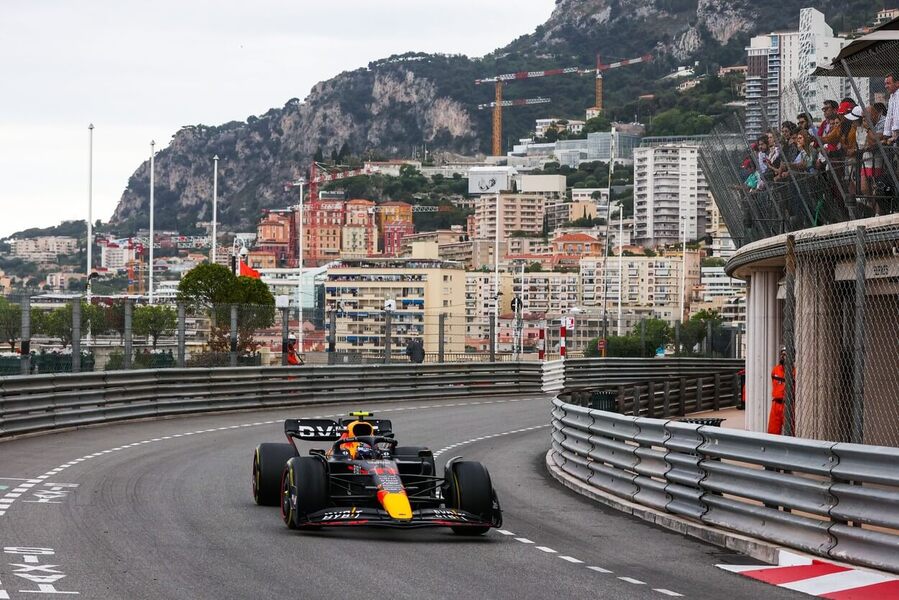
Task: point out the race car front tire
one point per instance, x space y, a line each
470 490
268 464
304 490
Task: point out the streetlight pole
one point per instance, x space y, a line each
152 211
300 218
683 267
215 204
496 276
605 257
90 205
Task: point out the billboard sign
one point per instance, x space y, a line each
489 180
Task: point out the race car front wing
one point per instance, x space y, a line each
374 517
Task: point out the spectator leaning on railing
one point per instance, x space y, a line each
891 122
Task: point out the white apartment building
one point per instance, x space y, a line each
586 194
778 61
646 282
549 292
44 248
715 283
570 125
671 196
115 256
419 290
550 186
518 212
480 298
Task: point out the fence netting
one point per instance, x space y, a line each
846 332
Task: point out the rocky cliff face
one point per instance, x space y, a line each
403 101
388 109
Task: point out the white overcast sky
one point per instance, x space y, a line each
140 70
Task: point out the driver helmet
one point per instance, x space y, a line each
359 429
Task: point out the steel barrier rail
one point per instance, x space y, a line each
581 373
45 402
832 499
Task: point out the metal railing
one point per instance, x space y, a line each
836 500
46 402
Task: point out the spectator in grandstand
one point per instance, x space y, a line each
871 157
804 161
788 130
830 111
891 124
804 122
849 145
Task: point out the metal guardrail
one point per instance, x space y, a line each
656 388
45 402
831 499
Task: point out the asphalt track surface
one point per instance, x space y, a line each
171 516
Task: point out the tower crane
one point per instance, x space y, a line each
498 104
601 68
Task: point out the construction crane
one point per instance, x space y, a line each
317 178
498 104
601 68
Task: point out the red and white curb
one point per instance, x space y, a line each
821 579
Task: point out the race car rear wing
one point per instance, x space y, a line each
327 430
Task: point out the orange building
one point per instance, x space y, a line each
394 223
322 229
360 231
576 244
274 235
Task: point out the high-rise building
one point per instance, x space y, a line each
480 302
360 232
274 236
518 213
322 227
671 196
778 62
414 291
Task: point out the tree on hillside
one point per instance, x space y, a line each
155 321
207 285
10 323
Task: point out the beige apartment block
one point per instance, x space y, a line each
518 212
547 292
480 297
419 290
646 282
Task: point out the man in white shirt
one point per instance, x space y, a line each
891 124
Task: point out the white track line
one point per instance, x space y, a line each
7 500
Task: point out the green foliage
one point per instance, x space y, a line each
694 331
676 121
75 229
155 321
57 323
10 323
634 344
207 285
534 267
713 261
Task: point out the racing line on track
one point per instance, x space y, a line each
7 500
546 549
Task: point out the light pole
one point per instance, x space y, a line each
496 292
215 205
152 211
90 205
300 218
605 257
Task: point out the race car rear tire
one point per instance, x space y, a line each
305 479
268 464
470 490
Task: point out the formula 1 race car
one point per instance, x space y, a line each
366 478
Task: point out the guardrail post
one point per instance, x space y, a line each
388 337
25 356
332 331
699 393
621 401
708 339
441 338
76 335
234 334
666 401
651 393
716 398
492 340
858 347
682 397
285 325
182 326
128 335
788 331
